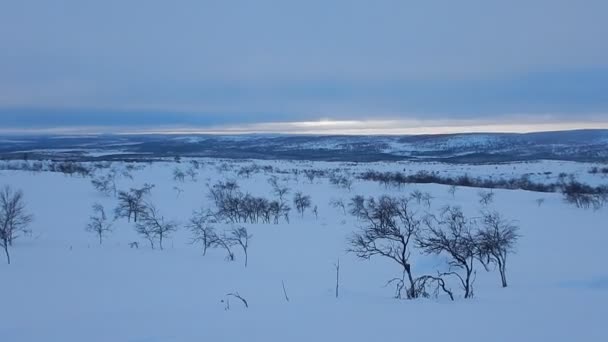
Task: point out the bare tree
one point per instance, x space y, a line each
153 226
390 227
146 231
106 184
338 204
280 190
14 218
341 180
486 197
239 236
178 190
202 230
99 222
583 195
192 173
310 174
452 234
302 202
452 190
417 195
426 199
131 203
225 243
178 175
497 239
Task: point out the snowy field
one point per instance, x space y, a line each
63 286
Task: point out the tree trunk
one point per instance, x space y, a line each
8 256
412 291
502 267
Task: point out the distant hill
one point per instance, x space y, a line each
577 145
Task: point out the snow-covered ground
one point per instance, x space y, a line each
63 286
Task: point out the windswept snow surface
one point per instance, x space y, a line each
63 286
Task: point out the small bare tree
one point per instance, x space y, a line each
486 197
278 189
192 173
497 239
202 230
239 236
390 227
225 243
338 204
106 184
14 218
452 190
153 226
178 175
131 203
99 222
452 234
302 202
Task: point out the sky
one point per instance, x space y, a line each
351 66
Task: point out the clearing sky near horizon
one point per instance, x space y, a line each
282 66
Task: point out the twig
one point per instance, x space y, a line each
284 291
236 295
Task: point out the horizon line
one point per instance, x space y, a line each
322 127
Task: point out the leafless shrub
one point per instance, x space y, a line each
417 196
239 236
246 171
496 239
452 190
341 180
179 175
278 189
485 197
302 202
338 204
310 175
235 207
583 195
192 173
422 198
202 229
98 223
14 218
153 226
131 203
226 244
178 191
106 184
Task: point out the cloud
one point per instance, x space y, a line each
212 62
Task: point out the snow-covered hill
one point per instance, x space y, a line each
64 286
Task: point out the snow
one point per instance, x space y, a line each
63 286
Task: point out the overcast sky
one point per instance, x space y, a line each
238 65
